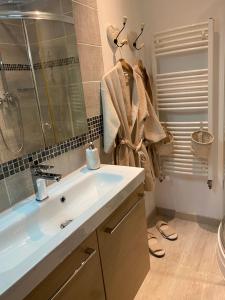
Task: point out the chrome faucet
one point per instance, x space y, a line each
39 177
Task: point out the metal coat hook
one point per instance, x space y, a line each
135 42
116 41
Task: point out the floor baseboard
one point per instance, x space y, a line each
189 217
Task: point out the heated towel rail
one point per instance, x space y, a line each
185 92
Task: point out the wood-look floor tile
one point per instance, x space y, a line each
189 270
214 288
188 284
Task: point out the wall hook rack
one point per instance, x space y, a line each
135 42
114 34
116 40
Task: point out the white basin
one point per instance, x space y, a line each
31 230
33 223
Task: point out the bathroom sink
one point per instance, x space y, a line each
33 223
74 199
31 230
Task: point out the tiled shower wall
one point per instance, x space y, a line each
19 186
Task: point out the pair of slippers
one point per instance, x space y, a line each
167 232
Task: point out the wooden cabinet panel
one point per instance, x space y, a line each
123 249
78 277
122 241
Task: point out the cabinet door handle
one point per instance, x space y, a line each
112 230
91 252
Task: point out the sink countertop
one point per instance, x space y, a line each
19 281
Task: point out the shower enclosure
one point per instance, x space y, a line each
41 94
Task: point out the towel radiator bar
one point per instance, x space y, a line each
185 92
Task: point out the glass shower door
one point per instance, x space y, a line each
58 79
20 127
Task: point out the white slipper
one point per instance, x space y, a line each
166 231
154 246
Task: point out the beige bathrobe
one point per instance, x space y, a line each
129 118
153 155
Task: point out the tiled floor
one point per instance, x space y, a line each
189 270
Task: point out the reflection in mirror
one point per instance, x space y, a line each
20 127
41 94
58 78
10 112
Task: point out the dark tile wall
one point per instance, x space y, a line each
16 183
95 130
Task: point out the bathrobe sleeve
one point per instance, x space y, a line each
111 121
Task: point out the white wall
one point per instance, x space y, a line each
111 12
184 194
181 194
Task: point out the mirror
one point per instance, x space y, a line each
41 92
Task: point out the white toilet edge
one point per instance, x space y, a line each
220 253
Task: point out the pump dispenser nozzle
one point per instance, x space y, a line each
91 146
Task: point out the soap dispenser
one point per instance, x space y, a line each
92 157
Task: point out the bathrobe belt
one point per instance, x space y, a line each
136 148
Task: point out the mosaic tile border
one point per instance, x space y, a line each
56 63
15 67
95 130
38 66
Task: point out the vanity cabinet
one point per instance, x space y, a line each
78 277
116 254
123 248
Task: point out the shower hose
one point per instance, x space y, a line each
11 100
